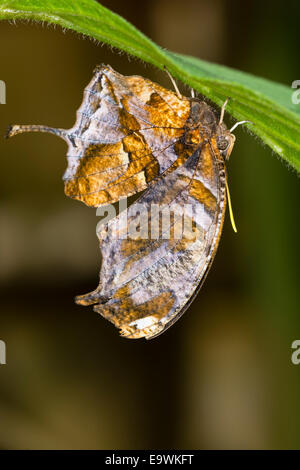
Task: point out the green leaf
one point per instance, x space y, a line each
276 120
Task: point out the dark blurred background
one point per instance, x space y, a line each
222 376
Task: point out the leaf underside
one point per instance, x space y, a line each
268 105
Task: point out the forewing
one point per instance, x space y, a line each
124 137
147 283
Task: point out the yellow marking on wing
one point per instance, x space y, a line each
121 170
207 169
125 311
136 250
162 115
144 89
132 247
203 195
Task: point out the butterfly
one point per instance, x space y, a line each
133 135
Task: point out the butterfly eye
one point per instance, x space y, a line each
222 144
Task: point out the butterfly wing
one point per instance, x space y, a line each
123 138
147 283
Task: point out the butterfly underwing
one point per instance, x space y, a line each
132 135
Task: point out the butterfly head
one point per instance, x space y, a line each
225 141
225 138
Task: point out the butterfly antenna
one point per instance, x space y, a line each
173 82
16 129
230 208
238 124
223 111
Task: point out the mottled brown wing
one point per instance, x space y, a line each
123 138
125 135
146 284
